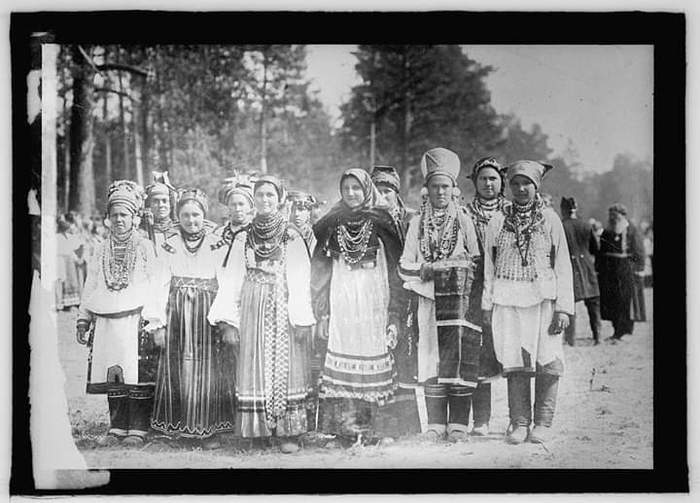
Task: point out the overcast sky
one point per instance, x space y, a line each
598 96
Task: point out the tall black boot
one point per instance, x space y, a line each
519 406
481 403
140 410
459 398
570 332
546 387
118 401
436 405
593 308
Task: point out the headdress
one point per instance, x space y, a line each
236 185
372 196
193 195
533 170
618 208
126 193
440 161
161 184
275 182
301 199
386 175
489 162
567 204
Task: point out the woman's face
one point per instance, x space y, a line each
301 216
239 208
266 199
160 206
191 217
488 183
614 218
121 218
440 190
351 192
389 194
522 189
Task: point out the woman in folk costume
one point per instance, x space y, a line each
400 416
115 299
582 247
301 204
69 282
437 263
265 303
528 298
489 181
236 193
194 396
356 289
620 266
160 219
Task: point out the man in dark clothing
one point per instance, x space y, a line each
620 266
582 245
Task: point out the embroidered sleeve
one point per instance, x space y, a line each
562 266
226 305
298 271
492 231
410 261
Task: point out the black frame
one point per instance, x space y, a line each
666 31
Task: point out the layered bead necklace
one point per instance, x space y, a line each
118 261
438 232
267 233
523 220
353 239
163 225
193 241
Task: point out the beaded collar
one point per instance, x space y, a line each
267 233
163 225
523 220
118 261
438 231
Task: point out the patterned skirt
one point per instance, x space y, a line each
274 374
194 395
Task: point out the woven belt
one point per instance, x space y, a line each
209 284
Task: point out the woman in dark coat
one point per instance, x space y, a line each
620 264
582 245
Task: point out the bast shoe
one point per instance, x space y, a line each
457 436
480 431
432 436
289 447
108 440
133 441
540 434
517 435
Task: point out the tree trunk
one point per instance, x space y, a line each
65 186
406 126
125 172
82 180
107 139
263 125
137 142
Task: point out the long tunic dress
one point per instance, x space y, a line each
268 301
114 361
582 244
524 297
620 256
412 259
361 299
194 394
69 282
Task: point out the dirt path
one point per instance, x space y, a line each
608 425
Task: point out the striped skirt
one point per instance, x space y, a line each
274 374
194 395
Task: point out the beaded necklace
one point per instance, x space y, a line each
522 220
353 239
438 232
163 225
267 233
118 261
188 238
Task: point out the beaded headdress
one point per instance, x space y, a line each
193 195
440 161
386 175
126 193
301 199
236 185
533 170
275 182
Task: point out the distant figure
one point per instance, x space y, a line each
620 266
582 247
68 273
649 251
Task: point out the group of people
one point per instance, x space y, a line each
372 322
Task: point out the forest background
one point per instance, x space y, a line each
203 112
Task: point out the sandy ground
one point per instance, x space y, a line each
606 423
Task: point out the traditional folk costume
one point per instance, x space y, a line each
115 300
355 287
481 212
158 230
194 395
449 342
400 416
582 247
527 279
265 296
231 187
619 261
69 282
